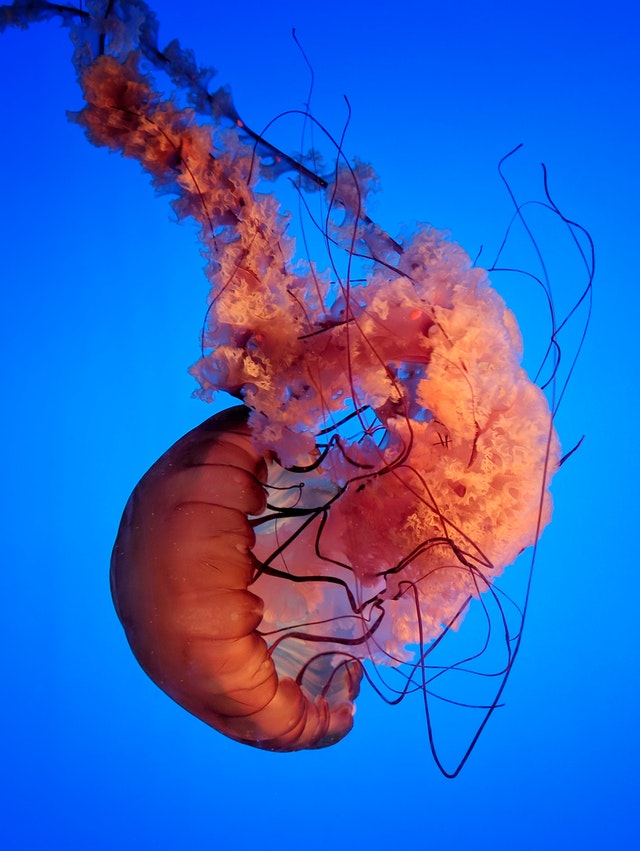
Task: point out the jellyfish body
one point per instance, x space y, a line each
408 454
389 460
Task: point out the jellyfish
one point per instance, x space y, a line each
389 456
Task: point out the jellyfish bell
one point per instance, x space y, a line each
181 570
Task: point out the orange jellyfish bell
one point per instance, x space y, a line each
180 572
